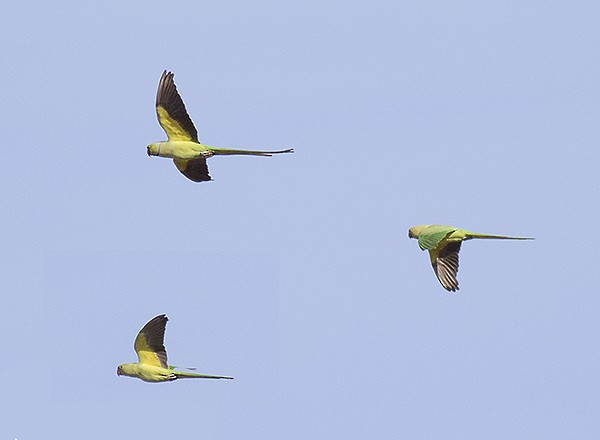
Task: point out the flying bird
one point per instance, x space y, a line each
443 244
183 146
152 356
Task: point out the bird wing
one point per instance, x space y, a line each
149 343
445 264
431 237
171 112
194 169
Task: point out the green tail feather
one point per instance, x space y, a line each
182 374
498 237
226 151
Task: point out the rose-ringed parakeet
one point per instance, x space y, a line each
443 244
183 146
152 356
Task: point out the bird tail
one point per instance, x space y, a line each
227 151
497 237
183 374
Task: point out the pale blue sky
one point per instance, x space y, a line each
294 274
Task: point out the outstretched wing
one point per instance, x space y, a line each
171 112
445 264
193 169
149 343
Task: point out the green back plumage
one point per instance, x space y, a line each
431 236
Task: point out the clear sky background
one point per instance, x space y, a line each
294 274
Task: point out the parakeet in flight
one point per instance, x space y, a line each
183 145
152 365
443 244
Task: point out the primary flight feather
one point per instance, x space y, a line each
152 356
443 244
183 146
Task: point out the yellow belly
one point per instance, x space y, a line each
182 149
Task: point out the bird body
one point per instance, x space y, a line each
152 356
183 146
443 243
179 149
192 150
153 373
148 373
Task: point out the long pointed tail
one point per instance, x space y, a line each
227 151
183 374
497 237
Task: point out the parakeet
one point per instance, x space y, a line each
152 356
443 244
183 145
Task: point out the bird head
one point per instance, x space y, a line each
119 370
415 231
153 149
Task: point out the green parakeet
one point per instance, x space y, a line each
443 244
152 356
183 146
